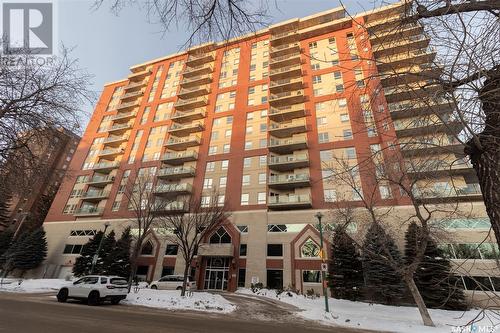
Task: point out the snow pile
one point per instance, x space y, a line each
32 285
171 299
375 317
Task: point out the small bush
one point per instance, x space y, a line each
256 287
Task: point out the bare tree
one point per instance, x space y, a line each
35 97
190 228
205 20
146 208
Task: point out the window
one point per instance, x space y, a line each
263 160
171 249
222 181
249 115
330 195
116 206
214 135
309 249
313 45
342 102
337 75
228 133
263 127
72 249
245 180
350 153
325 155
210 166
315 67
226 148
316 79
339 88
275 250
245 197
385 192
167 270
220 237
225 164
262 178
247 161
212 150
229 120
76 233
344 117
147 249
242 228
347 134
251 90
241 277
207 183
243 250
261 198
321 121
248 145
277 228
311 276
323 137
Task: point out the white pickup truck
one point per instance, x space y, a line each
95 289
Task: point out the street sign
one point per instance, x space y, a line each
324 267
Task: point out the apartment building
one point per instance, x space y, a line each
261 119
31 179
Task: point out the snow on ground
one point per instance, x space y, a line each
376 316
32 285
171 299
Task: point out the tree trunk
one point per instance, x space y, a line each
485 157
422 308
133 268
184 282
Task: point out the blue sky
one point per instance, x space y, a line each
107 45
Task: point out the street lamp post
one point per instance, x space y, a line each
319 216
96 255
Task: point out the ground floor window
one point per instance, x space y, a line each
241 277
142 273
167 270
275 278
311 276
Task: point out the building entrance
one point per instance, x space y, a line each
216 273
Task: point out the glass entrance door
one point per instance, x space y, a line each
216 273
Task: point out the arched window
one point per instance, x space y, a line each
220 237
309 249
147 248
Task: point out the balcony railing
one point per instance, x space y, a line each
289 199
100 179
119 127
289 178
89 211
115 138
191 102
133 94
176 172
284 47
288 159
178 158
174 188
285 69
111 151
106 165
127 105
123 115
94 195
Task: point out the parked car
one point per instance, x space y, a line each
172 282
95 289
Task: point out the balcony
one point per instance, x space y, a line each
199 59
470 192
287 113
178 144
284 49
440 169
184 117
186 93
395 34
126 106
288 162
139 75
405 59
88 211
451 127
114 140
285 72
93 195
174 207
124 116
173 189
119 128
291 59
198 70
195 81
280 86
133 86
186 104
417 90
185 130
292 201
284 130
176 173
284 37
287 146
422 149
106 166
132 95
179 158
400 45
286 98
407 109
216 250
100 180
110 154
289 181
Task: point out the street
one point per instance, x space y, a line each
25 313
